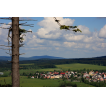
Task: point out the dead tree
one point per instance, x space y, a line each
15 45
15 38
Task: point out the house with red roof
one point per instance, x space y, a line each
48 76
62 73
66 72
32 77
101 79
96 72
88 78
56 73
85 75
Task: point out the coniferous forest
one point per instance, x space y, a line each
50 63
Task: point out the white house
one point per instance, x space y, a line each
32 77
60 76
72 72
57 76
37 73
1 73
85 75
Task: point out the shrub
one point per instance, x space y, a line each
4 75
29 76
64 84
6 85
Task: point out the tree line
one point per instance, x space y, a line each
51 63
96 84
95 61
4 65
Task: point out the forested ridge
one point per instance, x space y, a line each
42 63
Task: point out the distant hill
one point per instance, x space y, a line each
45 57
100 57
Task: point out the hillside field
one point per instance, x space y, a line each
26 82
78 66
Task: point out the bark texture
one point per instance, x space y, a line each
15 52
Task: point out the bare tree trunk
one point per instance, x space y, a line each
15 52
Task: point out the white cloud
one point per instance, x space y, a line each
57 48
96 48
102 32
80 45
50 29
40 48
88 39
54 43
69 44
4 32
50 37
34 41
103 45
87 45
84 29
72 37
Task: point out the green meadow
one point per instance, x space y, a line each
39 70
82 84
29 82
78 66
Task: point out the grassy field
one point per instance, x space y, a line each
26 82
78 66
39 70
27 64
82 84
29 82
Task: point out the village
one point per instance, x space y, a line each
90 76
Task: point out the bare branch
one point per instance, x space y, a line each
9 61
5 46
5 49
2 23
4 28
27 25
31 26
22 23
27 20
8 53
29 31
21 45
7 18
5 24
22 54
57 21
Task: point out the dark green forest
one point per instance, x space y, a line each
41 63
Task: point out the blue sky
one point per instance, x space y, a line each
48 39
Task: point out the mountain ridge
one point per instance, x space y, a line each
8 58
44 57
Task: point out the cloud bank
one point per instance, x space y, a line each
50 38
